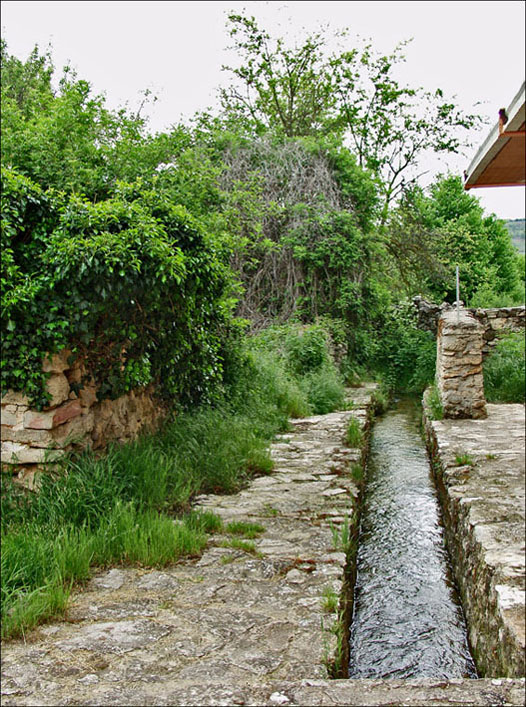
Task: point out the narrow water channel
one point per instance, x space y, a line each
407 620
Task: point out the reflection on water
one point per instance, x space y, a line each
407 621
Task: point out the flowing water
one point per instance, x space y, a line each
407 620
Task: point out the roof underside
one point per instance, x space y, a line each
501 161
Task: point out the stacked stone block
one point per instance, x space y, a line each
459 365
499 320
73 419
494 321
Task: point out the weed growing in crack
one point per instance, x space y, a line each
341 535
227 559
464 459
333 661
247 530
269 511
354 436
244 545
330 600
434 404
357 472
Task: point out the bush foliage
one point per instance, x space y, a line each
504 371
132 284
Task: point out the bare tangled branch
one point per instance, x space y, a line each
287 176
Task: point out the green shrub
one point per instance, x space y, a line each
307 350
266 391
405 356
106 280
324 390
486 297
504 371
300 364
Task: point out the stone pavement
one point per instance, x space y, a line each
481 478
235 627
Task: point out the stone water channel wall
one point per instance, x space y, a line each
479 469
73 419
233 627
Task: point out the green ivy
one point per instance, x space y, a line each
133 284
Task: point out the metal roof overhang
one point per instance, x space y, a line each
501 161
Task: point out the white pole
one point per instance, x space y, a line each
458 297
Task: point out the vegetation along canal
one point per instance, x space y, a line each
407 620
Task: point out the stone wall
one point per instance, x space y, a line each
459 376
493 320
483 516
498 320
73 419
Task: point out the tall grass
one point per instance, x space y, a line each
40 563
504 371
101 511
302 365
132 505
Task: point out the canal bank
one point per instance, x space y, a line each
479 472
248 623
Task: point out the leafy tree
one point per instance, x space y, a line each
304 210
27 83
392 127
448 227
286 90
69 139
303 91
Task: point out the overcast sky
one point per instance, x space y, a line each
472 50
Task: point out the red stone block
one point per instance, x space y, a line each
66 412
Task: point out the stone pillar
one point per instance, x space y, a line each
459 365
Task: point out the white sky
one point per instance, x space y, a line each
472 50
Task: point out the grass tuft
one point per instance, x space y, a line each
341 535
244 545
357 472
247 530
434 403
464 459
330 601
354 436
